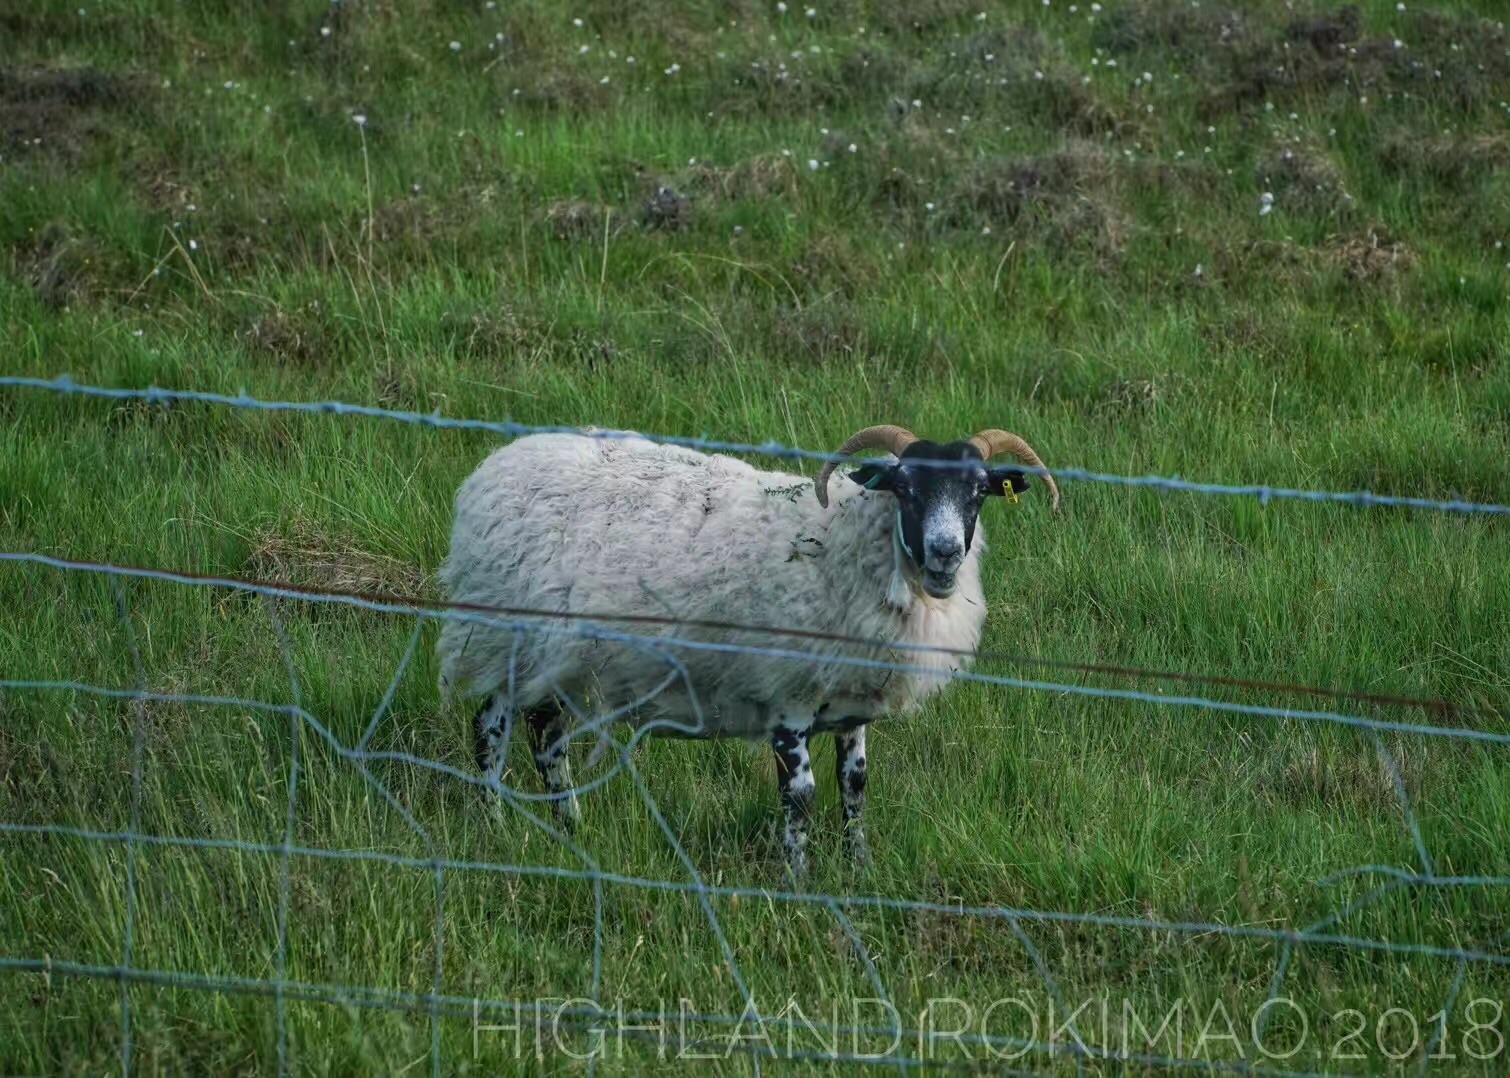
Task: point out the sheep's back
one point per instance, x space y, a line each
617 526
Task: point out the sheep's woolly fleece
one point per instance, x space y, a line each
622 525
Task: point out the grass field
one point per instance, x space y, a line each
1236 243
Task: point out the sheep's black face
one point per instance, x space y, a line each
939 490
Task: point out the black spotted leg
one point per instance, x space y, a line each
849 769
794 779
548 741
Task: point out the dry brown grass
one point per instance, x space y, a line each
1368 256
762 176
575 219
306 555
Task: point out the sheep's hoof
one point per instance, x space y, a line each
858 848
794 867
568 814
493 798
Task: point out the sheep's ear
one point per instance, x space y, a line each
1002 480
874 476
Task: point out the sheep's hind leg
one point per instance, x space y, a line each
548 741
849 768
794 778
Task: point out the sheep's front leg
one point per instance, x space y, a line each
794 778
849 769
490 740
548 741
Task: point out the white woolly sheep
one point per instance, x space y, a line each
621 525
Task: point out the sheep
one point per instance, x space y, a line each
613 523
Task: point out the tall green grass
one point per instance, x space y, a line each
1084 262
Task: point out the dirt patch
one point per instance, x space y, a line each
1468 56
564 91
1304 179
58 113
819 333
164 188
1185 28
1062 99
494 334
1066 199
305 555
1129 396
1449 159
1304 775
828 264
290 338
416 218
761 177
1369 256
573 219
923 17
62 267
1309 55
1326 32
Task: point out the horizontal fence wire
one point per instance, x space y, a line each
396 601
682 637
1264 494
589 630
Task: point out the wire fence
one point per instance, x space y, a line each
668 640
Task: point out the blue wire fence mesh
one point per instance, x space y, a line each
754 1033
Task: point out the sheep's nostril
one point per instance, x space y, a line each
948 551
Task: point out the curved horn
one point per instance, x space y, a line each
991 442
886 435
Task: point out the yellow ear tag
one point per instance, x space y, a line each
1010 493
